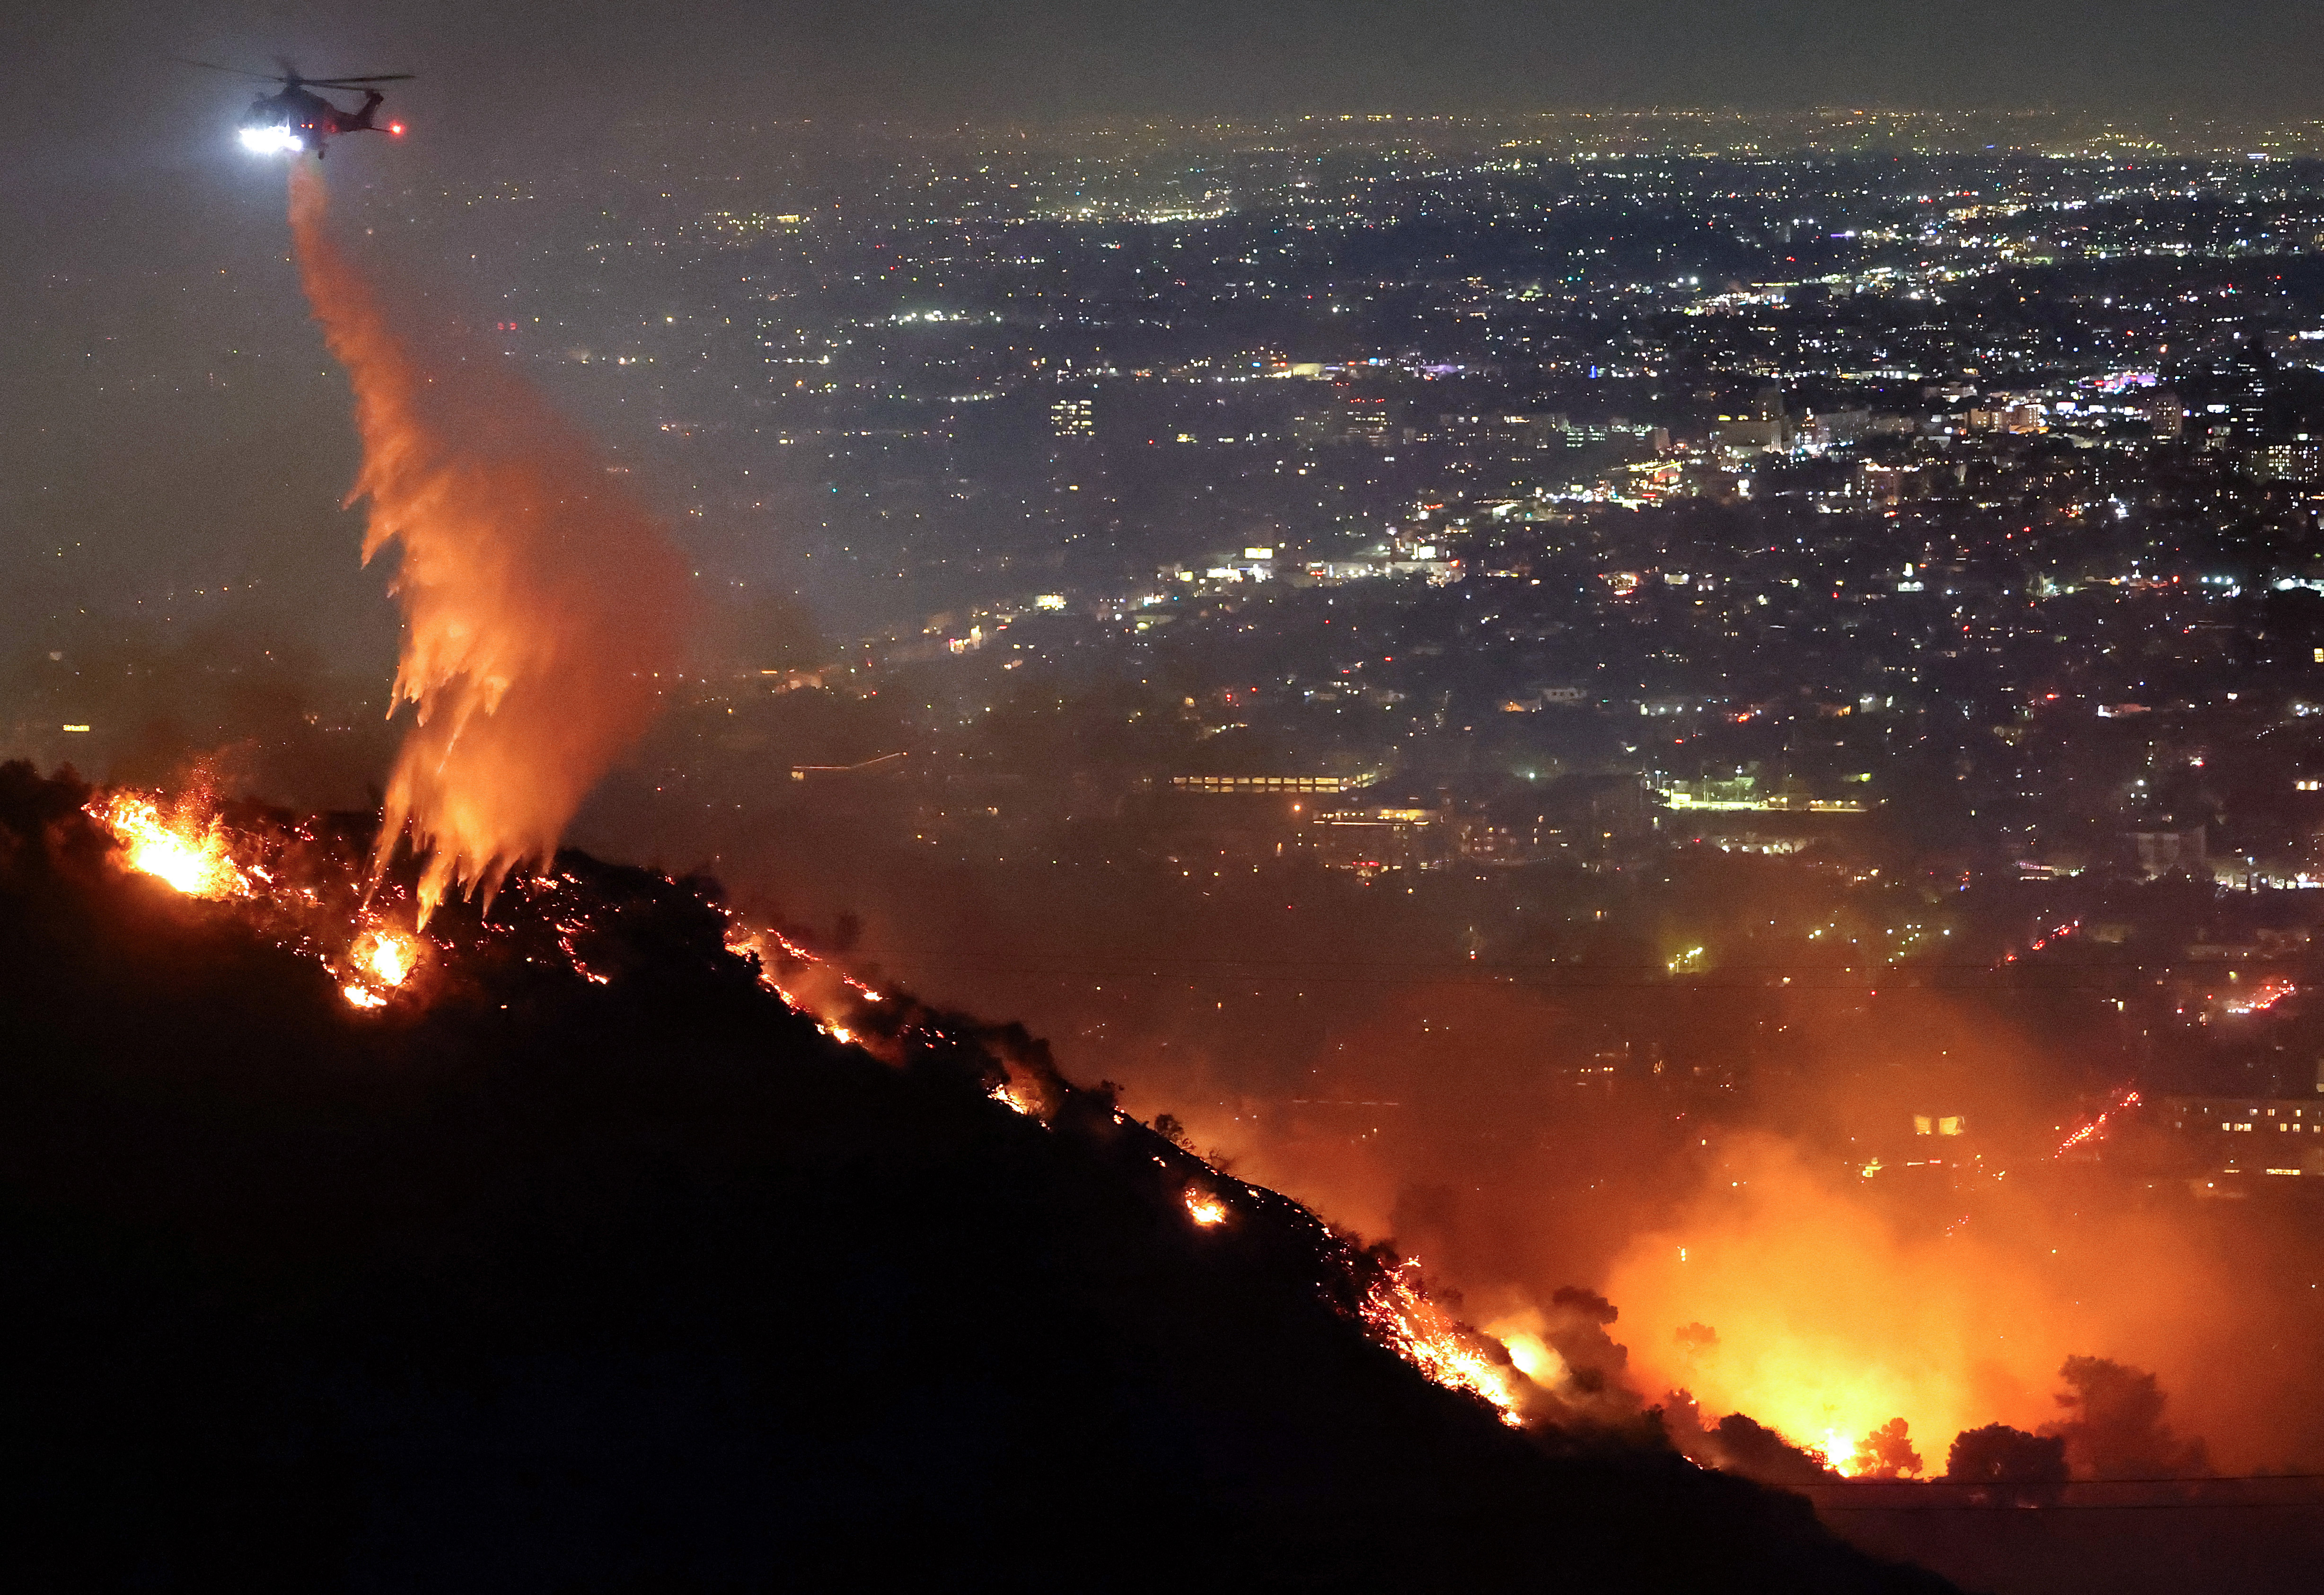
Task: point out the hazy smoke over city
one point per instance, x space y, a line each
1689 741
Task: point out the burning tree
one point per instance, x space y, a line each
1887 1453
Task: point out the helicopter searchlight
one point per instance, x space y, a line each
271 140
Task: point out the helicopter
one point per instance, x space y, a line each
298 119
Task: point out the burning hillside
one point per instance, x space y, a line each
552 1246
301 885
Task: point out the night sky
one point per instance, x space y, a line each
914 58
167 422
92 96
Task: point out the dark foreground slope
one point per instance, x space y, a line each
545 1285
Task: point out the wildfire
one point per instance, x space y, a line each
382 959
1007 1098
390 957
1944 1326
313 901
807 982
203 857
1401 1317
195 858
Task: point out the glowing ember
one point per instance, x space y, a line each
1205 1209
363 996
192 859
1402 1317
1007 1098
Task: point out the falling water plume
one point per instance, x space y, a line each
542 605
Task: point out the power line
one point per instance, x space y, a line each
2316 1504
1947 1495
2071 1484
1552 977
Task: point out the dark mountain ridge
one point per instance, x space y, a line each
544 1284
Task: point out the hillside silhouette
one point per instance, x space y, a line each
546 1285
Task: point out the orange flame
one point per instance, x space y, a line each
204 858
388 956
1008 1097
541 605
380 960
1402 1317
1205 1209
191 857
1835 1315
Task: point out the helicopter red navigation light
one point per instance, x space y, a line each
396 128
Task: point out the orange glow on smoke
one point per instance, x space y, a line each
542 604
1534 1355
191 857
1827 1317
810 984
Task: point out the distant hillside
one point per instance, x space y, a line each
547 1284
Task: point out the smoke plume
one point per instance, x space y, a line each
542 604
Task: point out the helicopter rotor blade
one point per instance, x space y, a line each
236 71
349 82
289 71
